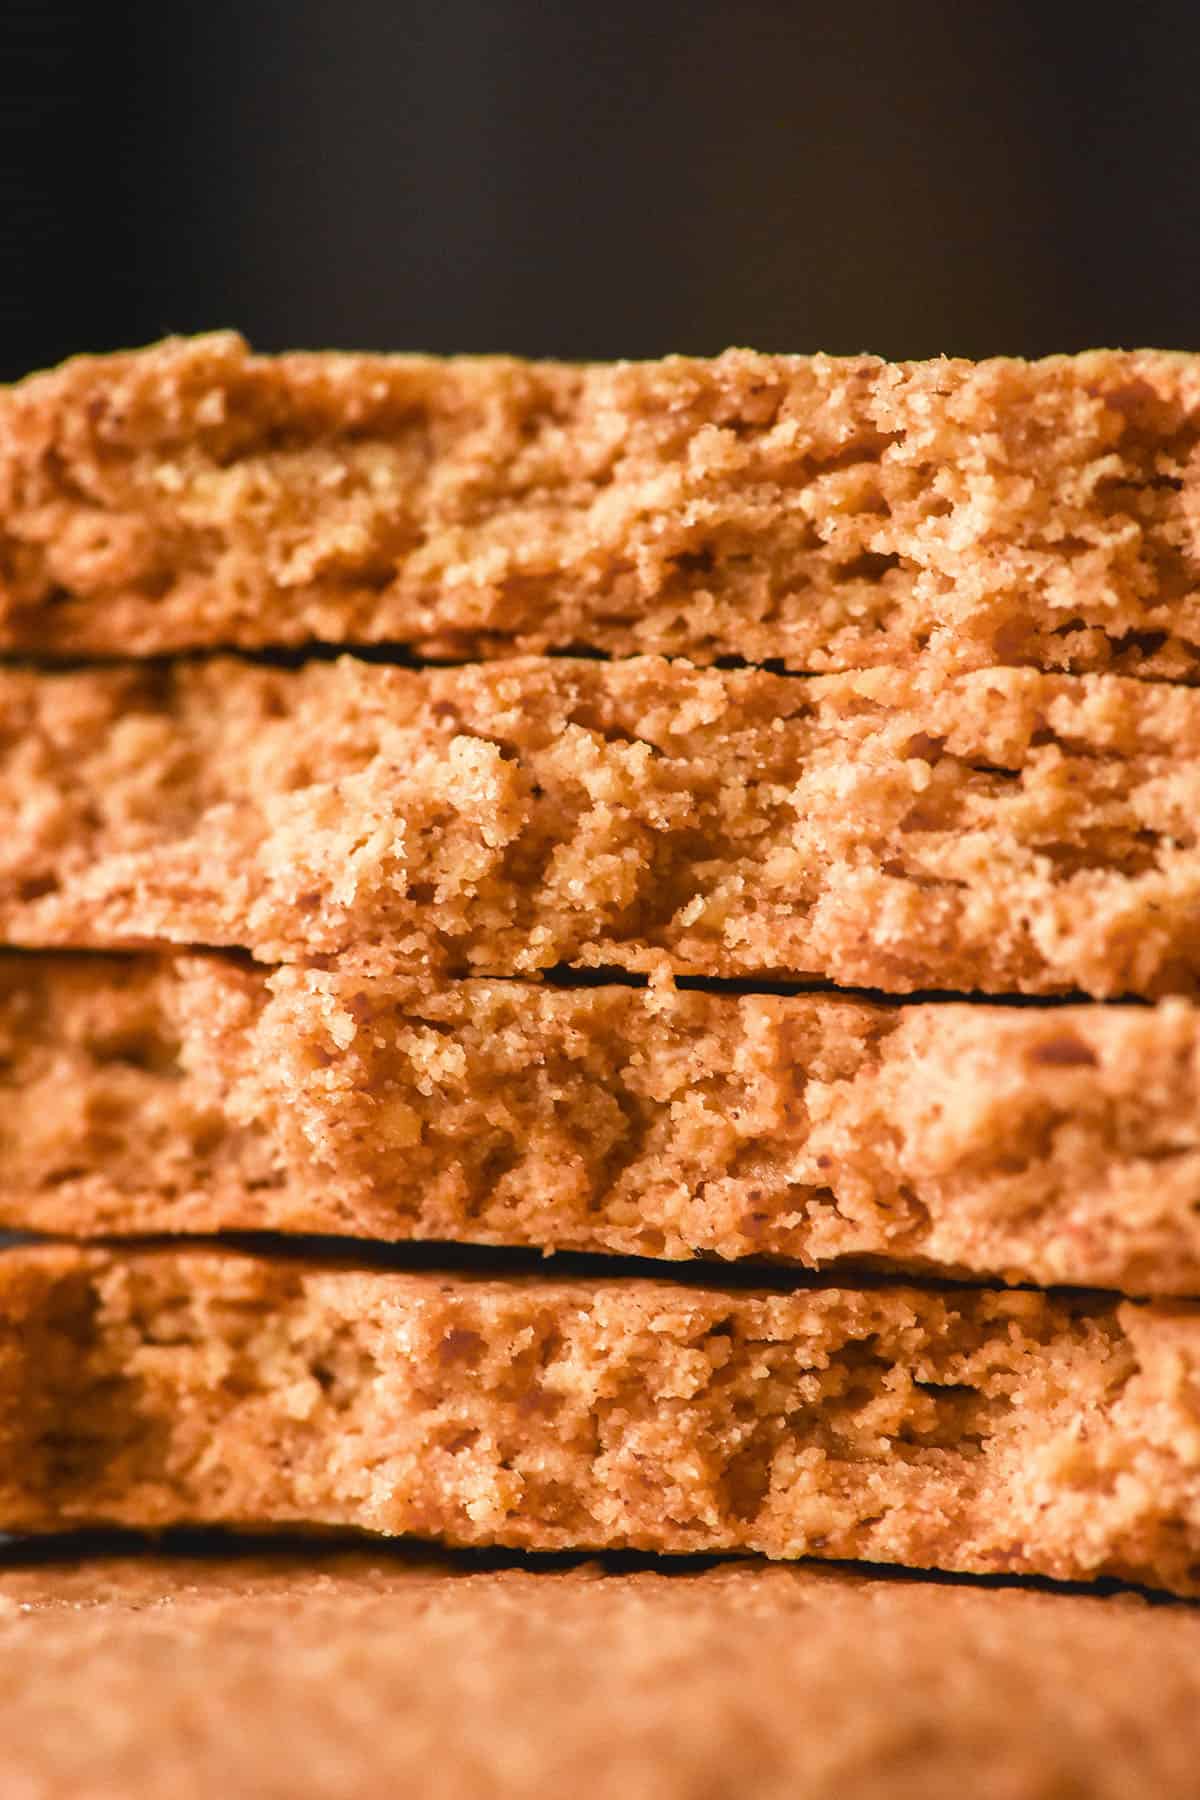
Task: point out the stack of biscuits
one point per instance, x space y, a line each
603 959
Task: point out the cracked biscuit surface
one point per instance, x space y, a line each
153 1094
981 1430
341 1672
1000 830
827 512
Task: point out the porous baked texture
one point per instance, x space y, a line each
999 830
969 1429
829 512
343 1674
184 1093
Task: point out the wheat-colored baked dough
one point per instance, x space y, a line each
152 1094
965 1429
828 512
335 1674
999 830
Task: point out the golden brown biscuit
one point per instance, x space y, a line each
998 830
984 1430
339 1674
830 512
192 1094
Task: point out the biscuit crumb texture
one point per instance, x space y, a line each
341 1673
829 513
961 1429
148 1095
998 831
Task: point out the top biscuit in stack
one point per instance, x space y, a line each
823 514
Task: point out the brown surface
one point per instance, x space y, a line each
967 1429
834 513
999 830
285 1679
187 1093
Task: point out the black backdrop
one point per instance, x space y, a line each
597 180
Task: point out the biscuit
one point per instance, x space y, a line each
970 1429
1001 830
377 1676
832 513
148 1095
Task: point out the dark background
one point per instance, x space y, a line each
597 180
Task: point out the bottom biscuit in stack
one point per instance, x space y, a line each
970 1429
322 1674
